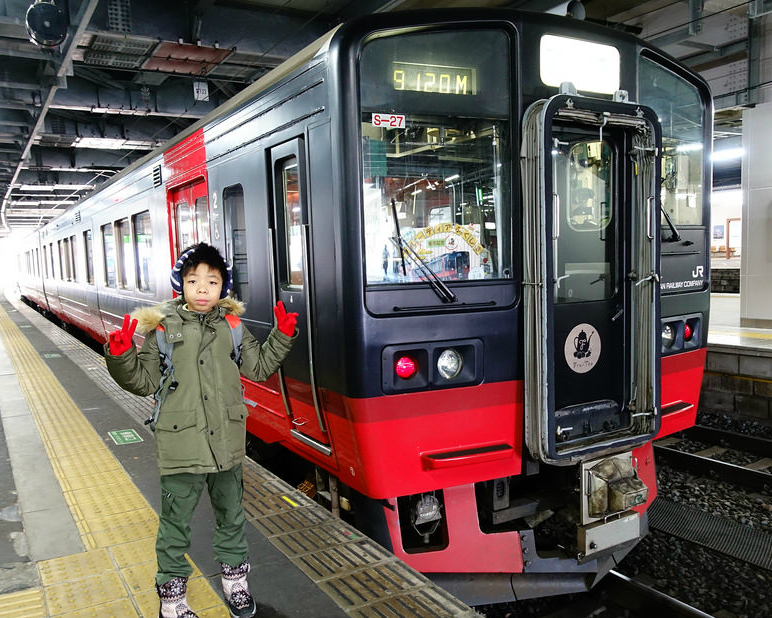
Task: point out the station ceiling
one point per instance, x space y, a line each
131 74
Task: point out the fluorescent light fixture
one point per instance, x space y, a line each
453 177
417 191
591 67
691 147
728 154
36 188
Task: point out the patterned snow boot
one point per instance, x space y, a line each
236 590
173 602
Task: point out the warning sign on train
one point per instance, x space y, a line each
582 348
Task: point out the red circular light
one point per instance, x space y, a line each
406 367
688 332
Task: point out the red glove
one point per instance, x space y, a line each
285 322
120 340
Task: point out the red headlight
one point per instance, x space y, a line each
688 332
406 367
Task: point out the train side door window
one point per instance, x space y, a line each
89 255
201 210
124 253
292 222
108 249
51 258
186 232
143 247
45 260
236 239
37 262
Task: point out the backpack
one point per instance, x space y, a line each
167 383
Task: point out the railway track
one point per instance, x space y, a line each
618 595
720 445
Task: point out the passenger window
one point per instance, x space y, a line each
202 220
124 252
108 247
63 266
89 256
51 258
45 260
143 244
236 239
73 258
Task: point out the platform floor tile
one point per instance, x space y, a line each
27 603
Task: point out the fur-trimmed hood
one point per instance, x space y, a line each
148 318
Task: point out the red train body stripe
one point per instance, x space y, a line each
681 382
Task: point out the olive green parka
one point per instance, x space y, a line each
202 423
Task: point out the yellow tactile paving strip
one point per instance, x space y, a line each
114 576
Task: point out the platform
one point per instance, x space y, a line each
79 495
725 330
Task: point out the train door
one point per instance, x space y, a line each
292 284
190 214
592 308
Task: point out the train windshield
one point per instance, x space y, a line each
436 156
682 116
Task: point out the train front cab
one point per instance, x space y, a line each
500 409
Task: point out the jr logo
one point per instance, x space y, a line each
697 272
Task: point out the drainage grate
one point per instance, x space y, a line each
712 531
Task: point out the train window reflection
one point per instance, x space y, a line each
236 239
108 250
292 222
445 183
185 229
202 220
74 257
143 246
436 154
584 250
682 116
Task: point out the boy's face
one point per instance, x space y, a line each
201 287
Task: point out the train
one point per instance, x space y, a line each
493 225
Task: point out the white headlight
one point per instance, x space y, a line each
449 364
668 335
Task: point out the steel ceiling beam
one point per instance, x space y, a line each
82 19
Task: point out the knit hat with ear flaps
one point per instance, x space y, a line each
176 274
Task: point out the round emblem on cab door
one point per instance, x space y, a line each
582 348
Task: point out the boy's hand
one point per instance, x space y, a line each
285 322
120 340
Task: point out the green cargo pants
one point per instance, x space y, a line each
179 496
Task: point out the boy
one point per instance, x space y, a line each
200 426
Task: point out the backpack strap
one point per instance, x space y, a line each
167 383
236 335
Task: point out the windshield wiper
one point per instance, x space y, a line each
674 235
445 294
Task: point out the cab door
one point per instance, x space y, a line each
290 240
190 212
592 288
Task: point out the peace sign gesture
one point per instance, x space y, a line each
121 340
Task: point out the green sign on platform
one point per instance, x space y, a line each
125 436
